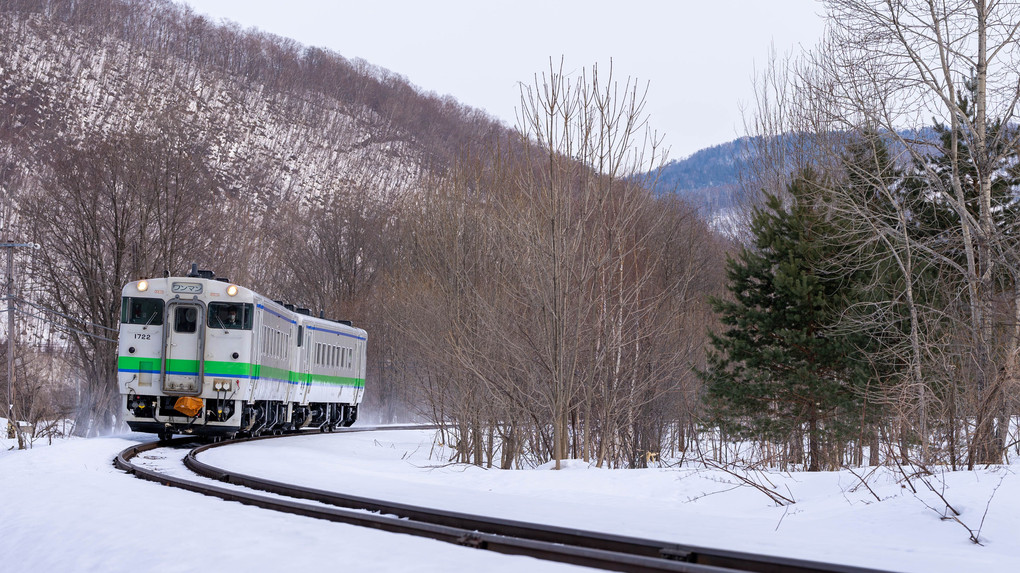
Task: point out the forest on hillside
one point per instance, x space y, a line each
533 289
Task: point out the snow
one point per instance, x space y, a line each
65 507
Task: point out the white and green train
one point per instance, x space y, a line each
199 355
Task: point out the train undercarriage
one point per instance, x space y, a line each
221 418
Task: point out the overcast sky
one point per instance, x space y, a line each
698 56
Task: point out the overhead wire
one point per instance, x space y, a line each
56 324
51 311
64 327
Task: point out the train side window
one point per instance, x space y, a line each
138 310
300 335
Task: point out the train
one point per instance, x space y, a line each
203 356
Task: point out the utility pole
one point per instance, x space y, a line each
13 429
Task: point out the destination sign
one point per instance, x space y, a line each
186 288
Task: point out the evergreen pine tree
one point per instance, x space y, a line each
777 371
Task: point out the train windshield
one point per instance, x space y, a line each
230 315
138 310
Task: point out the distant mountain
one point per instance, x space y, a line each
710 167
708 178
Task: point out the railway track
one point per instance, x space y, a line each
565 545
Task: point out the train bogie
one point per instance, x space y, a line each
202 356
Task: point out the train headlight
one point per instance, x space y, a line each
232 290
143 286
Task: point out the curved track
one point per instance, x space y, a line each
577 547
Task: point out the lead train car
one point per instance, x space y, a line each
206 357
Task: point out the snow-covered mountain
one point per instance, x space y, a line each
272 117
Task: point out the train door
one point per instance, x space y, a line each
359 368
304 368
184 359
257 350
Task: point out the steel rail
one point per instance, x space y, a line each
566 545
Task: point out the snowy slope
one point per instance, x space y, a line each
76 84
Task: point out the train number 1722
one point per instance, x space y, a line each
139 336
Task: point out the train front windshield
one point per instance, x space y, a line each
139 310
230 315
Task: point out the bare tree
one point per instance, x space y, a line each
552 291
117 211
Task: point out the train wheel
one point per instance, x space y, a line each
351 417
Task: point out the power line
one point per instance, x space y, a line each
51 311
64 327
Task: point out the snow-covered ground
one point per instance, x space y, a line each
66 508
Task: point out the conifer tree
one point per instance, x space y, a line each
777 371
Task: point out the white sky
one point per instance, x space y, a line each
698 56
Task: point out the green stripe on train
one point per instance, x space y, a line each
235 369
